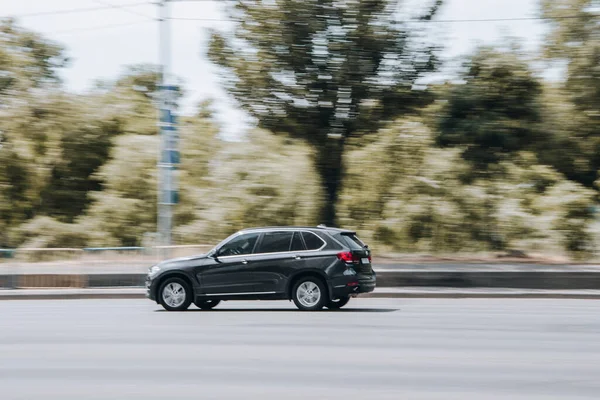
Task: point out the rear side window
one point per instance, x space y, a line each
297 244
352 241
275 242
313 242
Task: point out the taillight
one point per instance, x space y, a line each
348 257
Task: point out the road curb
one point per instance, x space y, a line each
582 296
70 296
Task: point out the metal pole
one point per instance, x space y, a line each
164 170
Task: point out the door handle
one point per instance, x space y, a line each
244 262
297 258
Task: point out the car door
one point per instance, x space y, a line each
315 257
230 273
278 255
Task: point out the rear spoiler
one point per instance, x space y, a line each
350 233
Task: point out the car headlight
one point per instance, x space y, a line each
154 269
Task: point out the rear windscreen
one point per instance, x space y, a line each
352 241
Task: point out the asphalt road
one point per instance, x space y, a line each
375 349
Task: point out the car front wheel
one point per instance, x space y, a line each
338 303
309 294
175 294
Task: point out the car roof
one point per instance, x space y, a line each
310 228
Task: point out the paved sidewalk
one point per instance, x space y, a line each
406 292
442 292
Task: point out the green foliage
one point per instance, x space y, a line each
13 199
265 180
575 118
225 186
514 172
57 142
131 99
126 207
495 113
84 150
576 40
27 60
323 72
46 232
33 115
567 149
421 204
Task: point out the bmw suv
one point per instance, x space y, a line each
314 267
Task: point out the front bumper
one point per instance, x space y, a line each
151 288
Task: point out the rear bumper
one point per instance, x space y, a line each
367 285
352 286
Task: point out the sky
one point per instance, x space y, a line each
102 43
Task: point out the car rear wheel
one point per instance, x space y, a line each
175 294
338 303
206 304
309 294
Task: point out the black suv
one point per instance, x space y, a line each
315 267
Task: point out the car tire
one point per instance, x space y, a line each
206 304
338 303
175 294
309 294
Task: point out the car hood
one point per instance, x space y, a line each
181 261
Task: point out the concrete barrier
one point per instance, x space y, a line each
568 278
115 280
52 281
556 280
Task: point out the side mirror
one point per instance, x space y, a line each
213 254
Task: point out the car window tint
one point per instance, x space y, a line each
275 242
239 245
297 244
351 241
313 242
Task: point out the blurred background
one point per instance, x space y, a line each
456 127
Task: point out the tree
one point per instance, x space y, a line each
323 71
493 115
131 98
495 112
84 149
55 142
564 147
225 186
574 37
27 60
29 94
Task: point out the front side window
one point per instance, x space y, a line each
275 242
239 245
